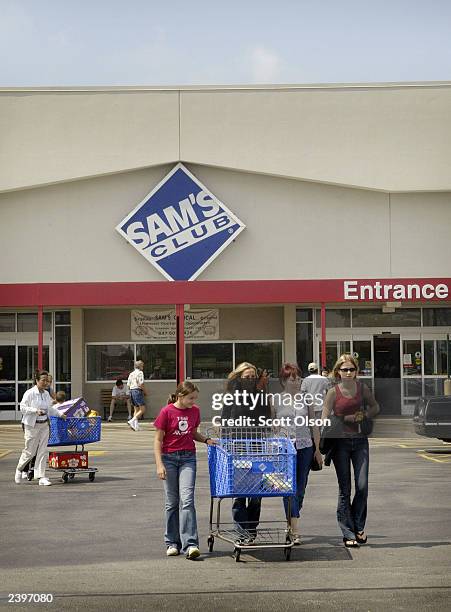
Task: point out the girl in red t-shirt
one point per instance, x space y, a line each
175 457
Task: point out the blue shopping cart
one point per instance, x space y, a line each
251 463
69 432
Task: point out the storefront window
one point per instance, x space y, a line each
7 322
335 317
7 393
8 362
435 317
362 354
333 351
435 356
159 360
62 318
66 387
304 345
411 358
109 361
264 355
434 386
28 321
62 354
28 361
209 360
304 315
374 317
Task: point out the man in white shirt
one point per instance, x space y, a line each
120 395
135 383
317 386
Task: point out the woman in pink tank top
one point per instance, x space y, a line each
346 400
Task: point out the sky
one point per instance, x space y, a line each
233 42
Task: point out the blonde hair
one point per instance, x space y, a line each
340 361
185 388
242 367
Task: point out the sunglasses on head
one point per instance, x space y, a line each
347 369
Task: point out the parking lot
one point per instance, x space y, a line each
99 544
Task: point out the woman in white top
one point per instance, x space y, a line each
291 406
36 406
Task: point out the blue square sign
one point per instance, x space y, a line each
180 227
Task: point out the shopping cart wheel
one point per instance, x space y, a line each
210 543
65 477
91 476
71 476
287 553
237 554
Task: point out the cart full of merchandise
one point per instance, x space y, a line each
246 463
73 431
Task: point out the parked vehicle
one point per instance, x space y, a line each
432 417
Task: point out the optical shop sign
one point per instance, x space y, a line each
180 227
161 325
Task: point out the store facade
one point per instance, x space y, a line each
286 247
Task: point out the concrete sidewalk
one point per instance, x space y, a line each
97 545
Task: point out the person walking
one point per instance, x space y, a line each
36 406
290 406
135 383
347 400
175 457
317 386
242 383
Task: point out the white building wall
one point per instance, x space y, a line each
295 230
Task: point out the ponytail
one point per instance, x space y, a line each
185 388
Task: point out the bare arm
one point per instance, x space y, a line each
161 470
316 436
200 438
328 404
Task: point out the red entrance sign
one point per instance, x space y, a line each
226 292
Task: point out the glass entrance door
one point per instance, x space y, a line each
7 379
18 361
27 362
387 373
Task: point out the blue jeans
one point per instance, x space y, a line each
303 462
247 516
181 522
351 517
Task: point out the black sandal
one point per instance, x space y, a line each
350 543
360 540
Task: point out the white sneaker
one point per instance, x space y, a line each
172 551
131 422
18 477
193 552
137 426
109 419
24 475
45 482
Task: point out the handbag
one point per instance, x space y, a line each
330 433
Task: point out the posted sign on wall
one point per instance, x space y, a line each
161 325
180 227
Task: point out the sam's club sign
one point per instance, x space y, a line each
180 227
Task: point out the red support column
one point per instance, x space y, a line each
180 342
323 334
40 338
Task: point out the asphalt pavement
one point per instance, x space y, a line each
97 545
